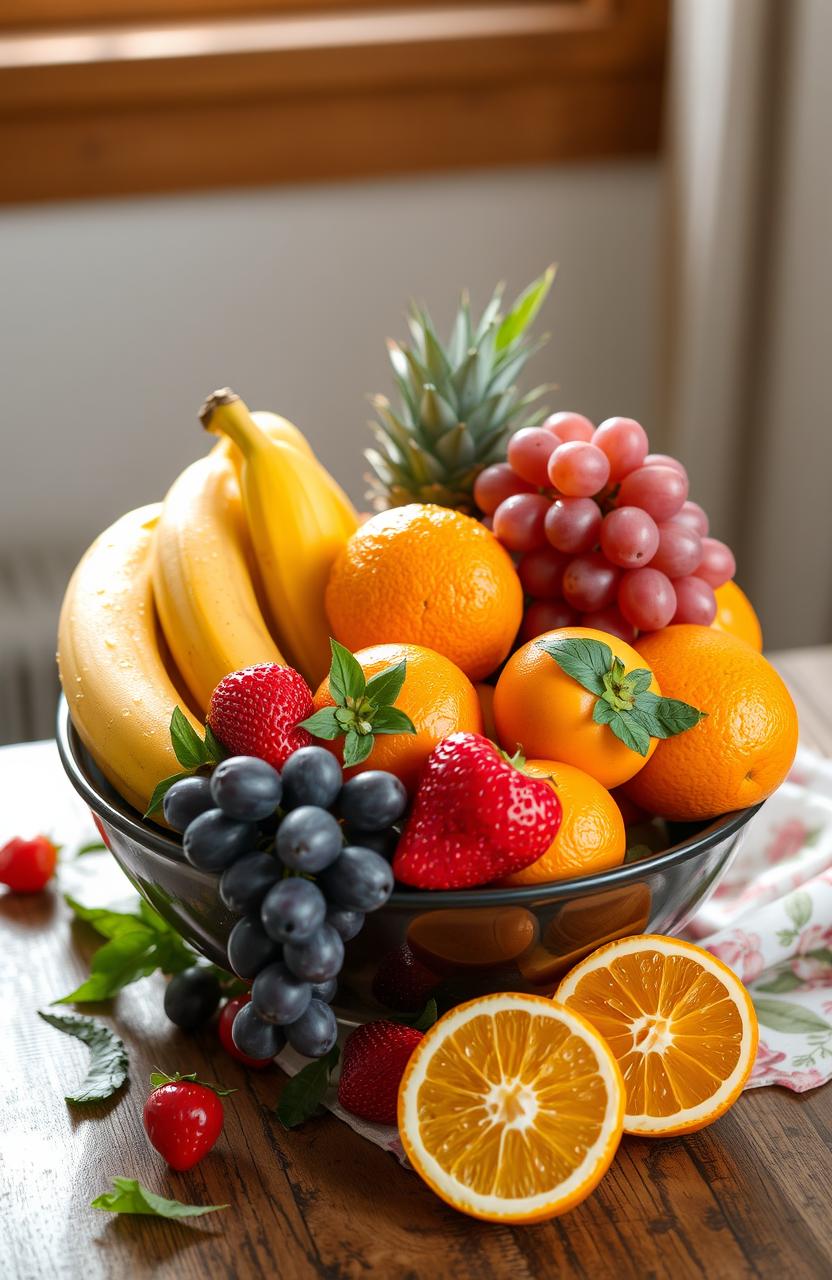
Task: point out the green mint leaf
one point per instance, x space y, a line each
384 688
107 1069
392 720
524 310
637 852
188 747
304 1093
123 960
173 954
639 681
427 1017
152 918
604 712
628 730
666 716
161 789
586 661
323 724
92 846
346 678
129 1196
213 747
110 924
357 746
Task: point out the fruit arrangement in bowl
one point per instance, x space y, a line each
445 750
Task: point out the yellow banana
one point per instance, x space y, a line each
297 523
203 579
119 691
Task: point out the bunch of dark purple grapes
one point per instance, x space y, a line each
267 834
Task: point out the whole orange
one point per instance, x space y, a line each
540 708
438 697
735 614
591 836
744 747
427 575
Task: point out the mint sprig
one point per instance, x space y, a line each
129 1196
363 708
304 1093
624 701
107 1069
192 752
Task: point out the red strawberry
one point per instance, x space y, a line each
26 866
256 712
402 982
375 1057
476 817
183 1118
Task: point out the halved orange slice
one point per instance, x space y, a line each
511 1108
679 1022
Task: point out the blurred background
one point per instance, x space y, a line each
207 192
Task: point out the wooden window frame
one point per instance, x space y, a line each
315 93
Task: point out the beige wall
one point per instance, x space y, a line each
117 318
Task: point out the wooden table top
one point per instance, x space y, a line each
747 1197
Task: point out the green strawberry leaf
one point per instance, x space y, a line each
357 746
586 661
158 1078
323 724
383 689
188 747
392 720
627 729
129 1196
304 1093
213 747
107 1069
346 677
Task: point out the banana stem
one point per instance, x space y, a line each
224 413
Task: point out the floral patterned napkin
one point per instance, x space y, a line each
770 919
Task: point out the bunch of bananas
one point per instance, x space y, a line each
228 571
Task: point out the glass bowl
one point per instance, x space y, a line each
468 942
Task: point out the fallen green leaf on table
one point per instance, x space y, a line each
129 1196
107 1070
304 1093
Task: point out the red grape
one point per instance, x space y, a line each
611 620
647 599
664 460
717 564
695 601
496 483
624 441
541 573
518 521
528 454
658 490
546 615
680 550
569 426
590 582
573 524
629 537
692 515
578 469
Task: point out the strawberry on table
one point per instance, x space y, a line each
476 817
257 712
183 1117
27 866
375 1057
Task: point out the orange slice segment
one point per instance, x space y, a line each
679 1022
511 1108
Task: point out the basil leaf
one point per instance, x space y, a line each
586 661
630 732
357 746
107 1070
384 688
188 747
304 1093
346 678
123 960
668 716
323 724
129 1196
392 720
110 924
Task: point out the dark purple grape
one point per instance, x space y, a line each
278 995
250 948
311 775
246 788
315 1031
255 1037
186 800
325 990
308 839
360 880
191 997
318 958
244 884
293 910
345 922
372 800
212 841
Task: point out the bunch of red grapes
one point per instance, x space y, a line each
605 535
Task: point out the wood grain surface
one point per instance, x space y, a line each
747 1197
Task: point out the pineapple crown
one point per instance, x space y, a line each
459 403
